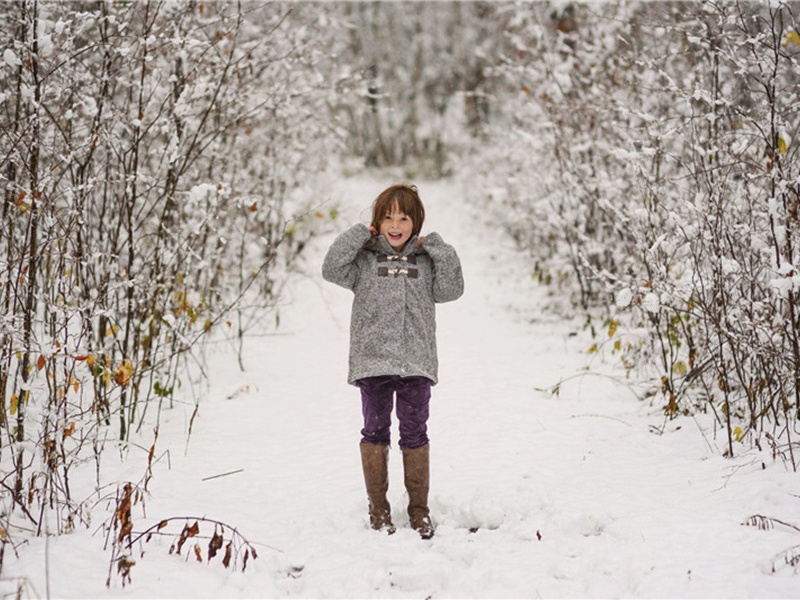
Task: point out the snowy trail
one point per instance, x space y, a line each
534 495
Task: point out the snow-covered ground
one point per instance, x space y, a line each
533 494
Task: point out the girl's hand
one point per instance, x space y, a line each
419 242
373 231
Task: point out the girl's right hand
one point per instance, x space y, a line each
373 231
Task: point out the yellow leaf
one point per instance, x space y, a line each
679 367
738 433
612 328
123 373
90 360
782 147
112 330
792 37
14 404
593 349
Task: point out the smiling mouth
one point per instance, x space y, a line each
395 236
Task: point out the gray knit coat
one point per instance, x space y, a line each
393 323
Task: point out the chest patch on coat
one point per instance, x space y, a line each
397 265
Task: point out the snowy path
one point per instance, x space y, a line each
533 495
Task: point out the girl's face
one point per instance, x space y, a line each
396 227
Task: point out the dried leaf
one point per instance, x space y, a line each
40 363
246 556
760 522
125 531
194 530
214 545
68 431
182 538
198 553
792 37
123 513
123 373
226 560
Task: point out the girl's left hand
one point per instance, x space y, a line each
419 242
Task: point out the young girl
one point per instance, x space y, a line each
396 277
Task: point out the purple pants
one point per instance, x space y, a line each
413 398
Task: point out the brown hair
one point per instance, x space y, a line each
407 199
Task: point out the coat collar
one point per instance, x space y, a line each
381 244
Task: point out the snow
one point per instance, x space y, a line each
587 492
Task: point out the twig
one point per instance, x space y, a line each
22 506
222 474
555 389
755 519
602 417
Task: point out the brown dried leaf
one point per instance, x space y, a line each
123 373
68 431
198 553
214 545
194 530
125 530
182 538
227 558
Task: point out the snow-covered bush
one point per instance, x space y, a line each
420 73
648 159
156 164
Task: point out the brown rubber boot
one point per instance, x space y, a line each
416 466
375 461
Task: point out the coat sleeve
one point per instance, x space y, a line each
339 266
448 280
